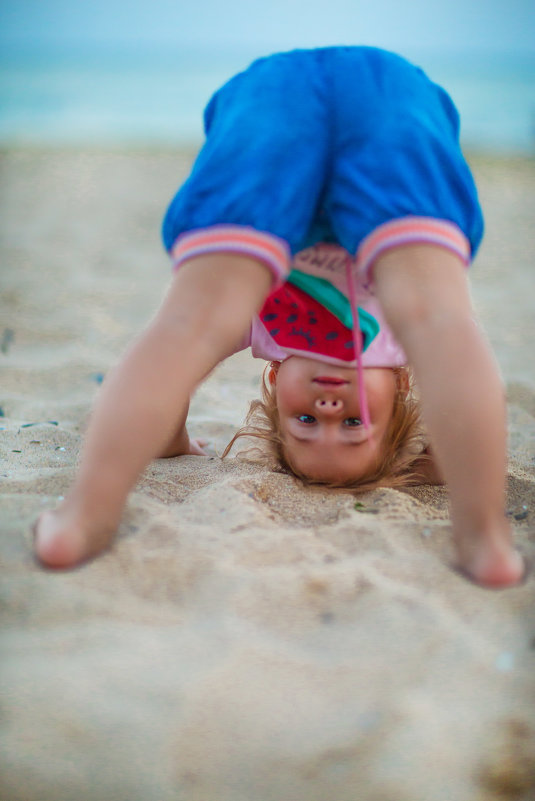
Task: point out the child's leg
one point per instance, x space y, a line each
203 318
424 294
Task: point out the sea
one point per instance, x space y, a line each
147 96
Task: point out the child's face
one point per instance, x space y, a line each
318 405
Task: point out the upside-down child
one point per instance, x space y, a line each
329 178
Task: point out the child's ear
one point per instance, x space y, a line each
273 370
402 381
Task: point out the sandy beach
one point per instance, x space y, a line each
246 638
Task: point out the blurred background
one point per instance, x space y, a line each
109 72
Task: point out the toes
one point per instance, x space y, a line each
500 578
54 546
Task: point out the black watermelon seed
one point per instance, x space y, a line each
349 344
269 317
331 335
274 332
292 318
312 320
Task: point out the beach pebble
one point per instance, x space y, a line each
8 335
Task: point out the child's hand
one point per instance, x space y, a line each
182 445
426 469
197 447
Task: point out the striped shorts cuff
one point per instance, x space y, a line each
266 248
411 231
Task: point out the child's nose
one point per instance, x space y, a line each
328 405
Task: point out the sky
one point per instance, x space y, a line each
265 25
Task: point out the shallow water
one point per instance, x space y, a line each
145 95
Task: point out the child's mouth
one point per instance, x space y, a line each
325 379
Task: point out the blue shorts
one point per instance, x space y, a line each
327 145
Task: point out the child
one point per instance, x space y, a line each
312 407
345 146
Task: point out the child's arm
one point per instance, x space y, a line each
424 294
204 316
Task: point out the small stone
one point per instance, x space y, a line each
8 336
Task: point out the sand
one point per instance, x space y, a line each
245 639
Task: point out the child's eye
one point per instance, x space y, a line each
306 418
352 422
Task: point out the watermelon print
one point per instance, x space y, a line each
297 321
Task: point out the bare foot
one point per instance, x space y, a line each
61 541
491 564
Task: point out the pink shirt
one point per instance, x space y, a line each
328 261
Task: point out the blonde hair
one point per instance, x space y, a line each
402 442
